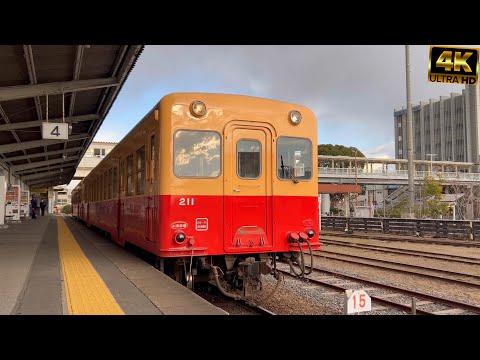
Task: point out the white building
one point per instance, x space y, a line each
94 154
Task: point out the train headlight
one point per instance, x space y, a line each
295 117
180 238
310 233
198 108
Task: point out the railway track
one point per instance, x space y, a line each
351 282
417 240
455 277
418 253
226 303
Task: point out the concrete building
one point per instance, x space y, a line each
94 154
445 129
62 196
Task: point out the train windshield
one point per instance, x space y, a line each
197 154
294 158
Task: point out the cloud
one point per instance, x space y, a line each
384 151
107 136
353 90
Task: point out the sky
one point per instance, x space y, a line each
353 90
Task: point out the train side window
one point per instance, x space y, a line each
100 187
122 176
106 181
140 170
95 197
294 158
152 157
130 175
196 153
248 159
114 183
110 183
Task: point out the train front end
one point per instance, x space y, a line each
238 187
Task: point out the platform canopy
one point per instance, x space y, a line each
81 83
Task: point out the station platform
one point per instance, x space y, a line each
54 265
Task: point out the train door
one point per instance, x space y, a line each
248 184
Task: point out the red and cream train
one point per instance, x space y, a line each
216 186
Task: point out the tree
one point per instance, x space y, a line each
430 198
398 210
466 195
67 209
339 150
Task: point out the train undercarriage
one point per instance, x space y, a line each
238 277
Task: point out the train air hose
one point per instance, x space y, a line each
279 276
302 261
219 286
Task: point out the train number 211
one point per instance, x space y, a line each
186 201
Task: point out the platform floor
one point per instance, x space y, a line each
55 265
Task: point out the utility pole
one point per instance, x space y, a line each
431 161
411 191
356 181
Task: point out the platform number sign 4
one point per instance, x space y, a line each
58 131
357 301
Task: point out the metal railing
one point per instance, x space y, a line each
395 174
451 229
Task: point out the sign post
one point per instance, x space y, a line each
356 301
54 131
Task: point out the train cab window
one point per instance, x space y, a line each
248 159
294 158
130 175
197 154
140 170
114 183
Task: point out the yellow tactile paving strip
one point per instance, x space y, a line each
85 290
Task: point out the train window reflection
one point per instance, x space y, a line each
294 158
130 175
140 170
248 159
197 153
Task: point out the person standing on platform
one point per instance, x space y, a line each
34 207
43 205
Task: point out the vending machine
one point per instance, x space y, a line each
25 204
12 208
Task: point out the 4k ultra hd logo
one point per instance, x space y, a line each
453 65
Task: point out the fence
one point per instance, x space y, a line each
452 229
